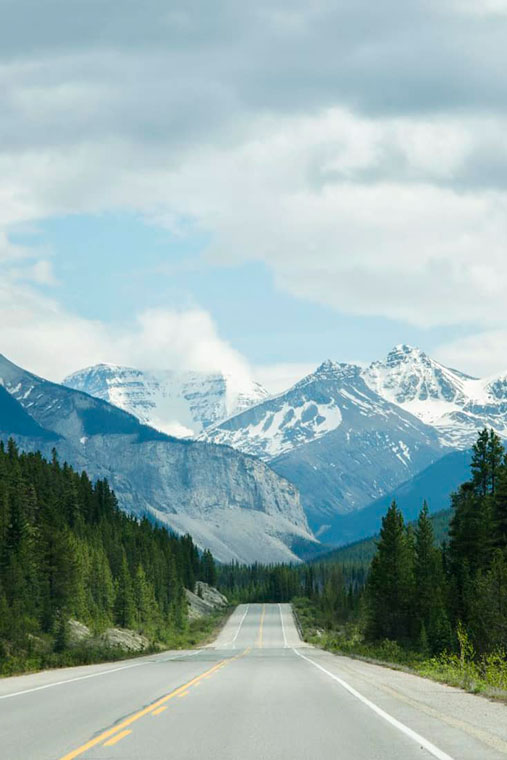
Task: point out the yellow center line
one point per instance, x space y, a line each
259 641
160 710
117 738
136 716
180 696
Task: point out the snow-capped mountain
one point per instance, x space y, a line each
231 503
337 439
455 404
182 404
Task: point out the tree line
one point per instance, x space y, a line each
430 597
426 595
68 551
335 587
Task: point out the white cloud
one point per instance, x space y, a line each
178 340
366 164
36 333
387 217
276 378
359 215
479 355
480 7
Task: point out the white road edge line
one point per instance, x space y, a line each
91 675
239 627
283 627
431 748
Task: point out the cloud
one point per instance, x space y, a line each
359 150
479 355
276 378
37 333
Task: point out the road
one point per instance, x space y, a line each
258 692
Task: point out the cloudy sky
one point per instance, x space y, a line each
252 186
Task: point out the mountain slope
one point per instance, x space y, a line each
435 484
455 404
362 552
179 403
15 421
336 439
233 504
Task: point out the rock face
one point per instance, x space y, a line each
178 403
122 638
336 438
130 641
204 600
232 504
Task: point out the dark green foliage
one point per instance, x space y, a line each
68 551
361 553
334 590
209 571
391 580
429 598
424 596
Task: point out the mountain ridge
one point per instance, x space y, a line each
182 404
235 504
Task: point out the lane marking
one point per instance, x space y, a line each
492 741
233 642
431 748
283 627
160 710
93 675
180 696
259 641
136 716
117 738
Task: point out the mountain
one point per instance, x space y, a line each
15 421
361 553
341 443
178 403
455 404
435 484
231 503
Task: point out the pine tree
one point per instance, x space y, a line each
480 464
125 612
390 583
500 509
208 572
425 567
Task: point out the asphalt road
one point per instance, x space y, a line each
258 692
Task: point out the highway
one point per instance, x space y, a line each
257 692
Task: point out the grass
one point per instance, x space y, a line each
477 674
39 654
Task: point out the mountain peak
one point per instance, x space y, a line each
330 368
403 351
180 403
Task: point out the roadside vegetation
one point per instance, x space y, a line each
436 607
68 554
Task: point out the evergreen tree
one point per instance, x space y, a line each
391 581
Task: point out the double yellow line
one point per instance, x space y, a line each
118 732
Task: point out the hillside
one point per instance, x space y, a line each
69 552
230 503
361 553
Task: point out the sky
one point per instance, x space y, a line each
252 188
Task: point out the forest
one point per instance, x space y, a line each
411 596
68 552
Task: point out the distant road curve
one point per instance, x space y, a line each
257 693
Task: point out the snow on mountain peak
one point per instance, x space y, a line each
331 370
456 404
181 403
